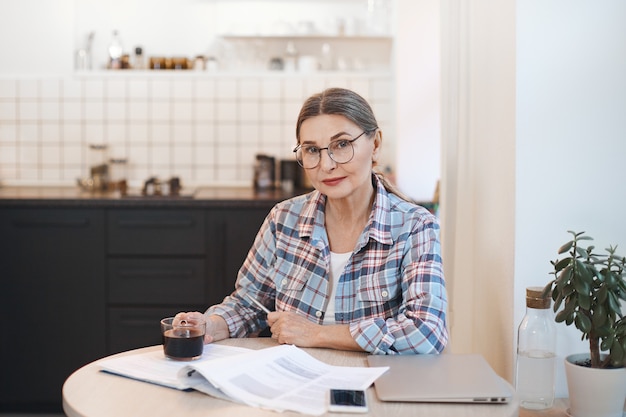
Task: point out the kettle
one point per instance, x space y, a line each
264 174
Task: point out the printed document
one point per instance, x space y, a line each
279 378
154 367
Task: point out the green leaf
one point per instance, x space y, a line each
584 271
617 352
607 343
602 294
562 264
567 246
611 279
584 301
569 289
599 316
557 296
583 323
561 316
581 252
582 286
614 305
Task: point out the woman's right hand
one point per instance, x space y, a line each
216 327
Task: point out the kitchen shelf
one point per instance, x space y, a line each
312 37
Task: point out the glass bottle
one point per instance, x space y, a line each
536 353
291 57
115 51
139 62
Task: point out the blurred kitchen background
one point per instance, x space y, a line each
195 89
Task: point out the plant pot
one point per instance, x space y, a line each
594 392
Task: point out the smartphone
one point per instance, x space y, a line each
347 401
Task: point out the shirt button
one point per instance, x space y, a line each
318 314
385 294
284 282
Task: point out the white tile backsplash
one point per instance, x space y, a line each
8 111
28 133
28 88
206 129
8 132
28 110
50 89
8 89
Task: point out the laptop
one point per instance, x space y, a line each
444 378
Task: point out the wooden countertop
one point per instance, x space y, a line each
200 197
91 393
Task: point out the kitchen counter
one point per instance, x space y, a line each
202 197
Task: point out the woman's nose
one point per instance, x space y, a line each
326 162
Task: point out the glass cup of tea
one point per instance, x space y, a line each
184 340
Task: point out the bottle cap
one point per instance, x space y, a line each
535 299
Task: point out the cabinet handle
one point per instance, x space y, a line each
137 322
74 223
155 223
152 273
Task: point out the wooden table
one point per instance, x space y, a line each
91 393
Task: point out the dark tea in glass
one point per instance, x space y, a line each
183 340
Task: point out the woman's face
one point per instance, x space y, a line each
340 180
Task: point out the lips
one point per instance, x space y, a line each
333 181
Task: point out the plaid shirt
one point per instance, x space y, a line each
392 292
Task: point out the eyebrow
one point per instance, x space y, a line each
335 136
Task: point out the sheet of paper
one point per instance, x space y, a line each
154 367
279 378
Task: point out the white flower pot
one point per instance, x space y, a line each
594 392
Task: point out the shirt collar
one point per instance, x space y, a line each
379 226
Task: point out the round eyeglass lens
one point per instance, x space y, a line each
340 151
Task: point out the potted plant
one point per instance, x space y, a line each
587 290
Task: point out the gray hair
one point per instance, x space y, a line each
342 102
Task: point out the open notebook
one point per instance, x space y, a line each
447 378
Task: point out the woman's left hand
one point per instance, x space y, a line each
291 328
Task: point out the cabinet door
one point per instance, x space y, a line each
136 327
232 233
156 232
52 269
145 281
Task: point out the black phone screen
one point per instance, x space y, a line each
347 397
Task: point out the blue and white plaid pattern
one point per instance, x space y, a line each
392 292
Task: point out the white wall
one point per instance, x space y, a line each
571 137
417 58
36 36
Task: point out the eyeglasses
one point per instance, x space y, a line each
341 151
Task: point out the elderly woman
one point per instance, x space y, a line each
352 265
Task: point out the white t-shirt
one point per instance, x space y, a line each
338 262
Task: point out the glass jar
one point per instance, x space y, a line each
97 162
536 353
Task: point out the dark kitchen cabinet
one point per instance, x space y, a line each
52 299
157 266
82 280
161 262
233 232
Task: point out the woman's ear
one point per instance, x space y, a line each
378 141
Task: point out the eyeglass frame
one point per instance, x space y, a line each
330 155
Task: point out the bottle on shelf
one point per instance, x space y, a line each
116 51
138 61
536 353
291 57
326 60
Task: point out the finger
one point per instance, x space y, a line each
272 317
